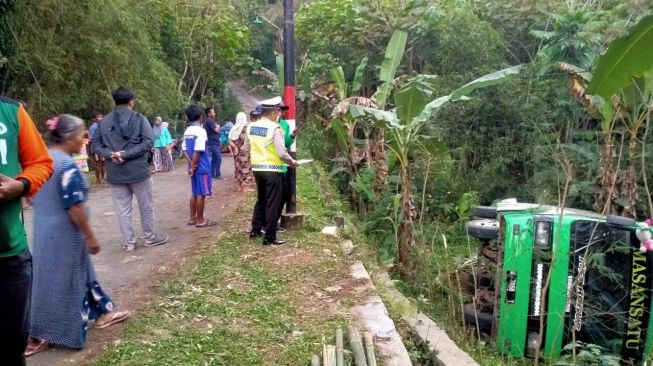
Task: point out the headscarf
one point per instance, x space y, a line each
241 122
156 129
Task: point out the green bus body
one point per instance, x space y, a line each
602 291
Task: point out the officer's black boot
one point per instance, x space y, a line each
254 234
273 242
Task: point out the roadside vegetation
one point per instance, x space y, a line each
240 303
60 56
432 109
419 109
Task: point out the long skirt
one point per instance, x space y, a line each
65 291
243 168
163 160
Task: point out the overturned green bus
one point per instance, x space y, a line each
565 276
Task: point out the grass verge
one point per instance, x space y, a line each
240 303
435 290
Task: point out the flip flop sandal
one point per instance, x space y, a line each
207 224
116 318
191 223
40 347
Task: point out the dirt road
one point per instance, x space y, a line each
129 277
241 91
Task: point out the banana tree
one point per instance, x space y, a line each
345 127
637 106
415 108
626 71
621 89
604 111
394 53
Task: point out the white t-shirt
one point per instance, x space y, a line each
195 140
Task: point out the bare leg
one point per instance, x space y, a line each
98 172
199 208
103 173
193 210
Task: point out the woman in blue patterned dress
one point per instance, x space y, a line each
65 291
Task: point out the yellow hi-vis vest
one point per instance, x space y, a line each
261 140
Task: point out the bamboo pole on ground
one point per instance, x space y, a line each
329 355
356 346
340 357
369 348
315 361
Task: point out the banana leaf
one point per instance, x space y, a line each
638 92
411 100
338 77
628 56
383 119
393 55
461 93
357 84
341 136
490 79
606 111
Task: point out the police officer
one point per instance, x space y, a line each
268 154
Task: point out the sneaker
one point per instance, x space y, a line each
159 239
128 247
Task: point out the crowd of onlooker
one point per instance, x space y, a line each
50 295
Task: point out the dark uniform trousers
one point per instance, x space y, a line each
15 291
269 200
288 190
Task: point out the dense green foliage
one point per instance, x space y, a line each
506 141
548 135
66 56
539 137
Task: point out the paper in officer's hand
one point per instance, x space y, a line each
304 161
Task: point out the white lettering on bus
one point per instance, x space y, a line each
538 289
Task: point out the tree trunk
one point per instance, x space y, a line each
629 187
379 160
368 147
406 235
353 167
607 194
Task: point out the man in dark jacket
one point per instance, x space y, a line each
124 139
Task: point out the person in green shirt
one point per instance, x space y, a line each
25 165
288 140
288 137
162 146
